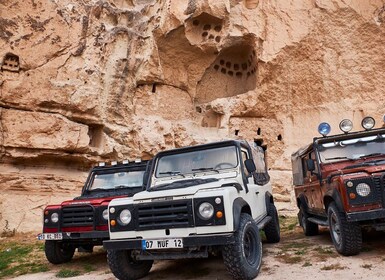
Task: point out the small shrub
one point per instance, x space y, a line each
65 273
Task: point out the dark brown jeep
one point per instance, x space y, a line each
339 182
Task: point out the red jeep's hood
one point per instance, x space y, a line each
92 201
362 169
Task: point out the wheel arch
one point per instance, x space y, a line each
301 200
239 206
333 196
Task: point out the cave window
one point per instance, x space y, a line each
153 90
259 131
95 132
236 132
10 63
279 137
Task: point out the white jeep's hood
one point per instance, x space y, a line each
183 192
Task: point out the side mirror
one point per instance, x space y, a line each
310 165
250 165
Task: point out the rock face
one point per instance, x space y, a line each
89 81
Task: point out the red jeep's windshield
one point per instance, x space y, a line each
107 181
352 149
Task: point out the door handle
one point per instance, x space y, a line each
257 193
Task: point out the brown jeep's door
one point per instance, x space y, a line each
315 186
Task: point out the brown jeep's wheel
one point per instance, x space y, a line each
272 230
58 252
308 227
346 236
243 258
124 267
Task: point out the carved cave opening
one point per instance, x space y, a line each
10 63
233 72
205 28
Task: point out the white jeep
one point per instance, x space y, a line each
199 200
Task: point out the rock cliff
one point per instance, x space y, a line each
97 80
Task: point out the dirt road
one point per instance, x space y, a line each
295 257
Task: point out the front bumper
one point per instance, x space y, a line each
77 236
366 215
191 241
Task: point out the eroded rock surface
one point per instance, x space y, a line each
90 81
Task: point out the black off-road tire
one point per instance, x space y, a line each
272 229
58 252
309 228
346 236
243 258
124 267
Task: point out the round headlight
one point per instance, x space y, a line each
324 128
206 210
363 189
349 184
368 123
54 217
112 210
218 200
346 125
125 217
105 214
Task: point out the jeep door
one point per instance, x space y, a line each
313 190
256 195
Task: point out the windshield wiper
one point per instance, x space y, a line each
125 186
172 173
372 155
338 158
205 169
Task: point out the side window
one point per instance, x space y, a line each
304 166
312 156
305 171
245 157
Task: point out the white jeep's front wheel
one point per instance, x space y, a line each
243 258
124 267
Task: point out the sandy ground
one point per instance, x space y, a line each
295 257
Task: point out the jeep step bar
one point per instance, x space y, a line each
317 221
263 222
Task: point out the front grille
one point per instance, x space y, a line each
379 187
373 197
75 216
167 214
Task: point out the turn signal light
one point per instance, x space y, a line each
46 212
112 222
219 214
352 196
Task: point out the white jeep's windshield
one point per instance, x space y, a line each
352 149
122 179
213 159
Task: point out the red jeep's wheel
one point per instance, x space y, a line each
309 228
58 252
346 236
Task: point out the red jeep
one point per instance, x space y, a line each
339 182
83 222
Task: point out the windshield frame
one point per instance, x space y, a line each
142 166
318 142
153 181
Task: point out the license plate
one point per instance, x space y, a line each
162 244
50 236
